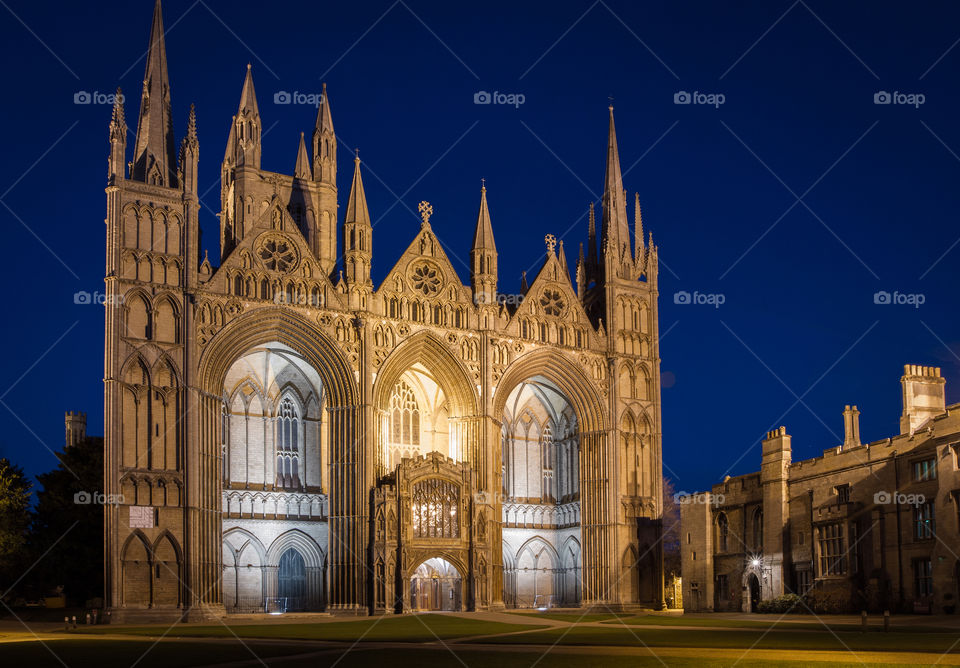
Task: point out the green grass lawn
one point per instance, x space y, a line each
103 653
570 616
722 638
767 621
110 653
408 628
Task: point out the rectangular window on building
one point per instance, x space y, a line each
923 577
804 581
723 587
925 521
833 558
925 470
843 493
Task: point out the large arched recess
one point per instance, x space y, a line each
452 376
566 375
596 510
348 463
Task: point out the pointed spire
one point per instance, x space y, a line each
523 282
153 156
357 204
616 231
117 166
192 123
324 117
483 236
118 121
562 256
324 143
302 169
637 230
248 96
592 238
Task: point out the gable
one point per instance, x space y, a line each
425 272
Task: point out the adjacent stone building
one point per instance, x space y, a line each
867 526
287 435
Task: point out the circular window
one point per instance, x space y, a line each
552 302
427 279
278 253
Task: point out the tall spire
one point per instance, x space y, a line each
154 160
324 143
302 168
357 232
357 204
616 230
483 236
243 144
483 256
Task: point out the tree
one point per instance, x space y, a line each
14 522
67 528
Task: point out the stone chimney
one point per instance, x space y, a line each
851 427
923 396
76 423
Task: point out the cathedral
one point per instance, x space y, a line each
288 436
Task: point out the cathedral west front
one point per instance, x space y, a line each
288 435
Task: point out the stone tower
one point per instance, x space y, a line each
76 427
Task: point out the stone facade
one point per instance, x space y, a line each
288 435
866 526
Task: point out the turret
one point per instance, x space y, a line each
324 143
76 427
154 160
243 144
302 169
483 257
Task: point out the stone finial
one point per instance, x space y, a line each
425 212
551 242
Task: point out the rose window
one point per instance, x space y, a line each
426 279
552 302
278 254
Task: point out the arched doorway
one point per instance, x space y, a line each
753 586
436 585
292 580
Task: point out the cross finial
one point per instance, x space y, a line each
610 99
483 184
425 212
551 242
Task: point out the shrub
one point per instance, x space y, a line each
781 604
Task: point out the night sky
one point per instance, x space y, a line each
795 200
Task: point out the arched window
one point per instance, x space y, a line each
404 416
287 440
758 528
435 506
723 532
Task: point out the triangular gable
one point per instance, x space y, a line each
275 250
425 270
551 297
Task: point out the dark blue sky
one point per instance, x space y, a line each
798 335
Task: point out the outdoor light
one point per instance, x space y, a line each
755 562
